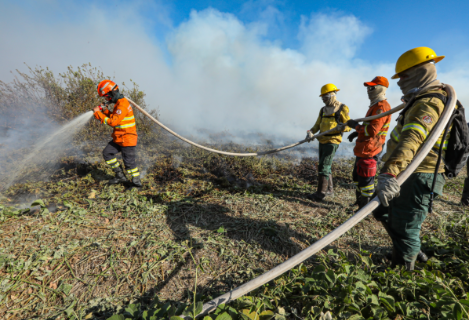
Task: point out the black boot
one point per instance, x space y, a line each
321 190
397 259
362 201
422 257
358 195
464 200
119 178
136 183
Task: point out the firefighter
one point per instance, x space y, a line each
332 114
124 134
370 139
408 204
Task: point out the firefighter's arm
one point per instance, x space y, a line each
418 123
316 127
345 117
372 128
100 115
116 117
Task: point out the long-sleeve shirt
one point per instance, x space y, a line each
122 120
372 134
407 138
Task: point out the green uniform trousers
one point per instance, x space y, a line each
326 154
408 211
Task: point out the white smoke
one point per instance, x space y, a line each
213 71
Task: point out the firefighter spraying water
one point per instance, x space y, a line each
124 135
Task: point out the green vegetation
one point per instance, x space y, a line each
75 248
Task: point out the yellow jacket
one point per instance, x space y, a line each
406 139
329 122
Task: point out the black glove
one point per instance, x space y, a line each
353 136
352 123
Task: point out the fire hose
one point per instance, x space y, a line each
337 128
351 222
347 225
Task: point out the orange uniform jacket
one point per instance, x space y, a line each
372 134
123 122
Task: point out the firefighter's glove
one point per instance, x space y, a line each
310 136
387 189
353 136
352 123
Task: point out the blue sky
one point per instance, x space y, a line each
238 66
396 25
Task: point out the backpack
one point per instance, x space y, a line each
457 146
337 119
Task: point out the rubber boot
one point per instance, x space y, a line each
397 258
321 190
410 266
119 178
330 191
421 257
136 183
464 200
362 201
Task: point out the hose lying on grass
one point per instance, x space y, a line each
337 128
351 222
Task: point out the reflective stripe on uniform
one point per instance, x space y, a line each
115 165
111 161
365 131
417 127
125 126
384 129
395 135
128 118
104 87
438 145
134 172
106 120
367 191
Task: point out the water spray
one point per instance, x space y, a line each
56 141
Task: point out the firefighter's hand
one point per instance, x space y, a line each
309 136
96 109
352 123
387 188
353 136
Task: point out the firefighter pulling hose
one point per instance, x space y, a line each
335 234
261 153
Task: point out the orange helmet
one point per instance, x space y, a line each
106 86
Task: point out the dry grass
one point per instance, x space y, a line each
97 247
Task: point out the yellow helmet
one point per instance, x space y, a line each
329 87
414 57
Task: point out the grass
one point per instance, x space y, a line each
75 248
204 224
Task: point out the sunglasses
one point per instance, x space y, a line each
371 88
